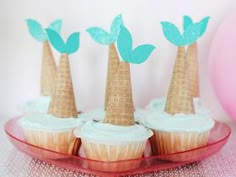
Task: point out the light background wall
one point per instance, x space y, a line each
20 59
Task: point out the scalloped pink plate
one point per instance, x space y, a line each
217 139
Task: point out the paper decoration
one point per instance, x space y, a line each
106 38
204 22
187 22
71 45
192 31
37 31
172 34
124 43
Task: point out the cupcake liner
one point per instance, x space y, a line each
48 71
179 98
63 142
108 154
165 143
113 64
63 101
120 109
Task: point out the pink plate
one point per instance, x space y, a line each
217 139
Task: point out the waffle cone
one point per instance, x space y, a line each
48 71
63 101
179 98
120 109
192 69
113 63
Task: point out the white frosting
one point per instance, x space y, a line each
39 105
99 115
156 118
179 122
159 105
48 122
140 114
112 134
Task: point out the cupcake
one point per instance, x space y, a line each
177 126
54 130
48 69
117 137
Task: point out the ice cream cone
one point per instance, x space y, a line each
63 102
179 99
113 63
48 71
192 69
120 109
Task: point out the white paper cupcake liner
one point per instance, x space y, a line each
108 154
165 143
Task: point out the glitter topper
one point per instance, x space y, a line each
120 34
192 31
37 32
103 37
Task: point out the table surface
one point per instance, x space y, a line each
14 163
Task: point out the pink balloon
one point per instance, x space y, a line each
222 63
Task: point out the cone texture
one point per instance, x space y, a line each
192 69
48 71
120 109
63 101
113 63
179 98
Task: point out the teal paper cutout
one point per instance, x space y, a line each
115 26
192 31
172 34
141 53
72 43
37 31
187 22
102 36
124 43
204 23
56 25
57 42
